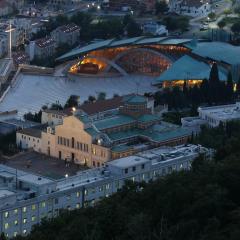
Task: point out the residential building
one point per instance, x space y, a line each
193 8
98 138
27 198
213 116
6 67
68 34
155 29
41 48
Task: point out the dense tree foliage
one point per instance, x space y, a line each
8 144
212 91
73 101
200 204
34 117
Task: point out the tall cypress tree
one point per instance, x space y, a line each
229 87
214 85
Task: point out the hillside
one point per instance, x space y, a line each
201 204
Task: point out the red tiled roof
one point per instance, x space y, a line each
101 105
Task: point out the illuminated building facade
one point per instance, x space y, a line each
169 61
95 140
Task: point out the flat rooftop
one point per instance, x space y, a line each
5 193
224 112
35 163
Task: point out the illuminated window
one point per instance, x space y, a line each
15 234
181 166
24 220
77 205
33 218
24 209
24 231
86 192
6 214
33 207
43 204
78 194
16 211
16 222
6 225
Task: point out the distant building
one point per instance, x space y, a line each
155 29
67 34
64 3
193 8
41 48
3 45
97 138
213 116
6 67
8 6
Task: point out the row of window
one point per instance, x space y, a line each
78 145
87 192
134 168
24 137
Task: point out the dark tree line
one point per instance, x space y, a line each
211 91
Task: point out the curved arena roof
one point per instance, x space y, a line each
111 43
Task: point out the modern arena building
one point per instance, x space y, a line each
168 60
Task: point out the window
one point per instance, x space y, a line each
107 186
16 222
77 205
24 220
6 225
33 218
126 170
181 166
43 204
15 234
24 231
78 194
15 211
133 169
33 207
6 214
24 209
143 166
86 192
100 189
56 200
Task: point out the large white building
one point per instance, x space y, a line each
213 116
67 34
193 8
26 198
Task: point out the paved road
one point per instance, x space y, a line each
196 23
